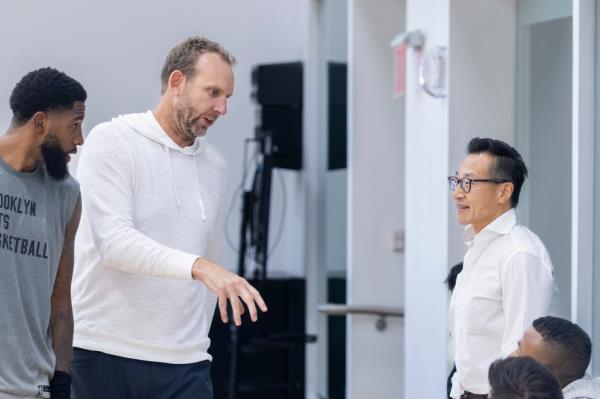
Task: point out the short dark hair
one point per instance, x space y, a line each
522 378
568 347
509 163
452 275
43 90
183 57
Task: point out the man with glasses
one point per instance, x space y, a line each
507 276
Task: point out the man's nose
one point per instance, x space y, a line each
458 192
221 107
79 138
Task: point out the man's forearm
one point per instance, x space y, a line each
61 324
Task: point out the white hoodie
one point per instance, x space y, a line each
150 208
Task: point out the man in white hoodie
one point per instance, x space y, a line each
145 284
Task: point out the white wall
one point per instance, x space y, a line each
427 143
530 13
596 283
315 141
335 14
482 85
116 49
375 199
544 116
550 139
336 50
583 242
336 221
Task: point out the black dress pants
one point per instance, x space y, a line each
97 375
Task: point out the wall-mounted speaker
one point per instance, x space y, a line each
278 90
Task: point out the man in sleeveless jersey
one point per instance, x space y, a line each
39 215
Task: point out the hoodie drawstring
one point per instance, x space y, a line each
168 154
200 200
174 188
147 126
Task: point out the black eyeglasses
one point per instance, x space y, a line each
466 182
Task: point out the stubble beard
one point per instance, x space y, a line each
185 122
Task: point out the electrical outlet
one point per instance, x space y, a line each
398 241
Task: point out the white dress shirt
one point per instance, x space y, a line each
506 283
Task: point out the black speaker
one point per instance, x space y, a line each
278 90
337 122
336 338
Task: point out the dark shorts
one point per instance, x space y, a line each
98 375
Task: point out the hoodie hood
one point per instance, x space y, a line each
145 124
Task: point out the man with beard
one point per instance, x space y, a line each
145 283
39 215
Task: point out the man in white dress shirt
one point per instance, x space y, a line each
507 277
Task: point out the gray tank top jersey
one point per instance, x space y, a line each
34 212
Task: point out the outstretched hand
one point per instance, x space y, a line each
229 286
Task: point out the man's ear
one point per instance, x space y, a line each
176 82
505 191
41 123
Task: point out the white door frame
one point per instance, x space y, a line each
582 239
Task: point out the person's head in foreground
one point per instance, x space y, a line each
522 378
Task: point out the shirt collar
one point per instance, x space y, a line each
499 226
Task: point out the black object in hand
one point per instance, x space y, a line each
60 385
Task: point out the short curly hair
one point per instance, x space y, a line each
45 89
183 57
